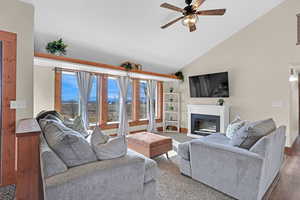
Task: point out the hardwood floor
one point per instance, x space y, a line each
288 187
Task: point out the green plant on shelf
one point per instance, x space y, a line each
57 47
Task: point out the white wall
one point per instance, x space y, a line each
44 88
257 59
17 17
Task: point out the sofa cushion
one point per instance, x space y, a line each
115 147
44 113
216 138
51 163
68 144
248 135
184 150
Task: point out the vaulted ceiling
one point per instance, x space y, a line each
114 31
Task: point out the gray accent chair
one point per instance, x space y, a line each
132 177
240 173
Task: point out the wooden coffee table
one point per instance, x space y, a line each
150 144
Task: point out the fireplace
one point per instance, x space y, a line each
207 119
204 124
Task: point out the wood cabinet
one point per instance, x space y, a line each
29 184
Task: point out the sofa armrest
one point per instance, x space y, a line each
233 170
227 148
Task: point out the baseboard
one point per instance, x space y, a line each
289 150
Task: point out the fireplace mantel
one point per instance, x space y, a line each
215 110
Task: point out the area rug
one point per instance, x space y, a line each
174 186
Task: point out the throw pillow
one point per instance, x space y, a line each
68 144
98 137
114 148
233 127
77 125
248 135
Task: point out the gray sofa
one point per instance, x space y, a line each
240 173
132 177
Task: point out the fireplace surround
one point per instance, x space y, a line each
207 119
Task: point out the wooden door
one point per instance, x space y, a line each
7 116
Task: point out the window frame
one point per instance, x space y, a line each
102 101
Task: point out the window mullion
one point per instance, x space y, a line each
136 100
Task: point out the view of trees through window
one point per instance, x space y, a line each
70 101
93 102
69 95
113 99
143 99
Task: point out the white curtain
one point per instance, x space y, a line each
123 82
151 89
84 81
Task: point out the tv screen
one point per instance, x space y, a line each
209 85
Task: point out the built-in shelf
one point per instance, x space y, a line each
171 117
48 60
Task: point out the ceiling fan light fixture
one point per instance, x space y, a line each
190 20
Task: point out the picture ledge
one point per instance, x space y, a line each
42 59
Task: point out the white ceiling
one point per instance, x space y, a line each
114 31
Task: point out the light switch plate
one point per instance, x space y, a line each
277 104
18 104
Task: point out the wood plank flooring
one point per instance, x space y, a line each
288 187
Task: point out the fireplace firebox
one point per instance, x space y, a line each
204 124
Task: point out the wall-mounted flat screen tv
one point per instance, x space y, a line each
209 85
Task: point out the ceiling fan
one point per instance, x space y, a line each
190 13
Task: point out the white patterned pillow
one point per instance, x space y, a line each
77 125
234 126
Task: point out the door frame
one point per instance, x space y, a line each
8 124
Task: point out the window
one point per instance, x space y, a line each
105 93
143 100
113 99
93 105
69 95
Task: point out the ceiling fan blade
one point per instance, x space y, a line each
192 27
171 22
211 12
171 7
197 4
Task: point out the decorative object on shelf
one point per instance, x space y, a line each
179 75
221 102
171 99
171 89
131 66
171 108
57 48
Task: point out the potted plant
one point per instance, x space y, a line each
127 66
179 75
221 102
57 47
